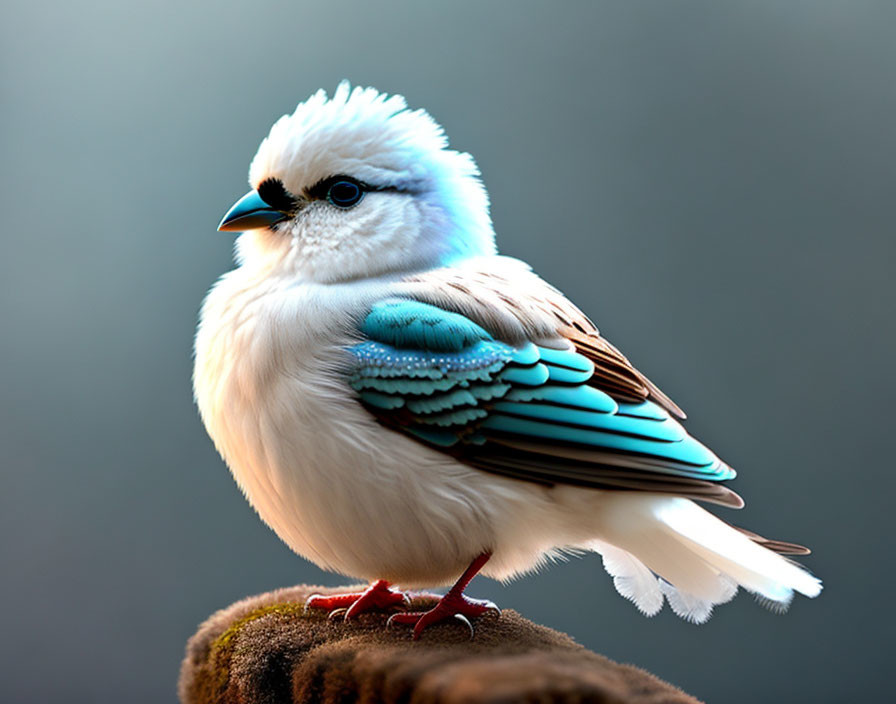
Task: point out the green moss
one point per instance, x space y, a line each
221 651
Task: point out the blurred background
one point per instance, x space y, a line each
712 182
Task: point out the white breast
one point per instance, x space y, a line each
338 488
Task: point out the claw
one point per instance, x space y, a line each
336 613
399 608
459 607
464 620
307 608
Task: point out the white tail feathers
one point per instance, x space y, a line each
659 547
632 579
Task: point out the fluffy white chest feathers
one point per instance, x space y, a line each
271 385
268 382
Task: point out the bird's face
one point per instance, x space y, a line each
358 186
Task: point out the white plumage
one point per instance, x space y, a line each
366 501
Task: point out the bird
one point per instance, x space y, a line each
405 406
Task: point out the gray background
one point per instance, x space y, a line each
713 182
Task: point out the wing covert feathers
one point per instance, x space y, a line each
514 304
527 411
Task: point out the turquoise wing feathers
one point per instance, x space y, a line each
527 411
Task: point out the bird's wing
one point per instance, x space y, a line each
504 295
553 406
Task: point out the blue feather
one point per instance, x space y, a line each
385 401
455 385
527 376
415 325
462 417
688 451
669 431
586 397
527 355
646 409
566 358
468 396
435 436
565 375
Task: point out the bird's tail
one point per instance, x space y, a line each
669 549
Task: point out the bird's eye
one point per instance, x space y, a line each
344 194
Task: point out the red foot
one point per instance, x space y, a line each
453 605
458 606
377 597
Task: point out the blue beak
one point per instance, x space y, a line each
250 212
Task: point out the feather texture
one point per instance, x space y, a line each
531 411
631 578
691 608
367 362
701 559
487 290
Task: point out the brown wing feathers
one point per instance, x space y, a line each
570 465
613 373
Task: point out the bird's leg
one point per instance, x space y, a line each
377 597
453 605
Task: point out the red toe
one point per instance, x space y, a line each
450 606
377 597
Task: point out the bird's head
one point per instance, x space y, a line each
355 186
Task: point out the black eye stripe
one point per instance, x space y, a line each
274 193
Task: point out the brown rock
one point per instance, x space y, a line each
265 650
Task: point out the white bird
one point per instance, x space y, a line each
403 405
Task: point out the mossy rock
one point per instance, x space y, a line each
267 650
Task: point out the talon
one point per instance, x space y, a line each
336 613
308 605
450 606
464 620
453 604
391 620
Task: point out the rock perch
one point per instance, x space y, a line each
266 650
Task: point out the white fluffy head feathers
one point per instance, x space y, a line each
426 205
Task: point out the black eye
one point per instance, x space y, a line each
344 194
